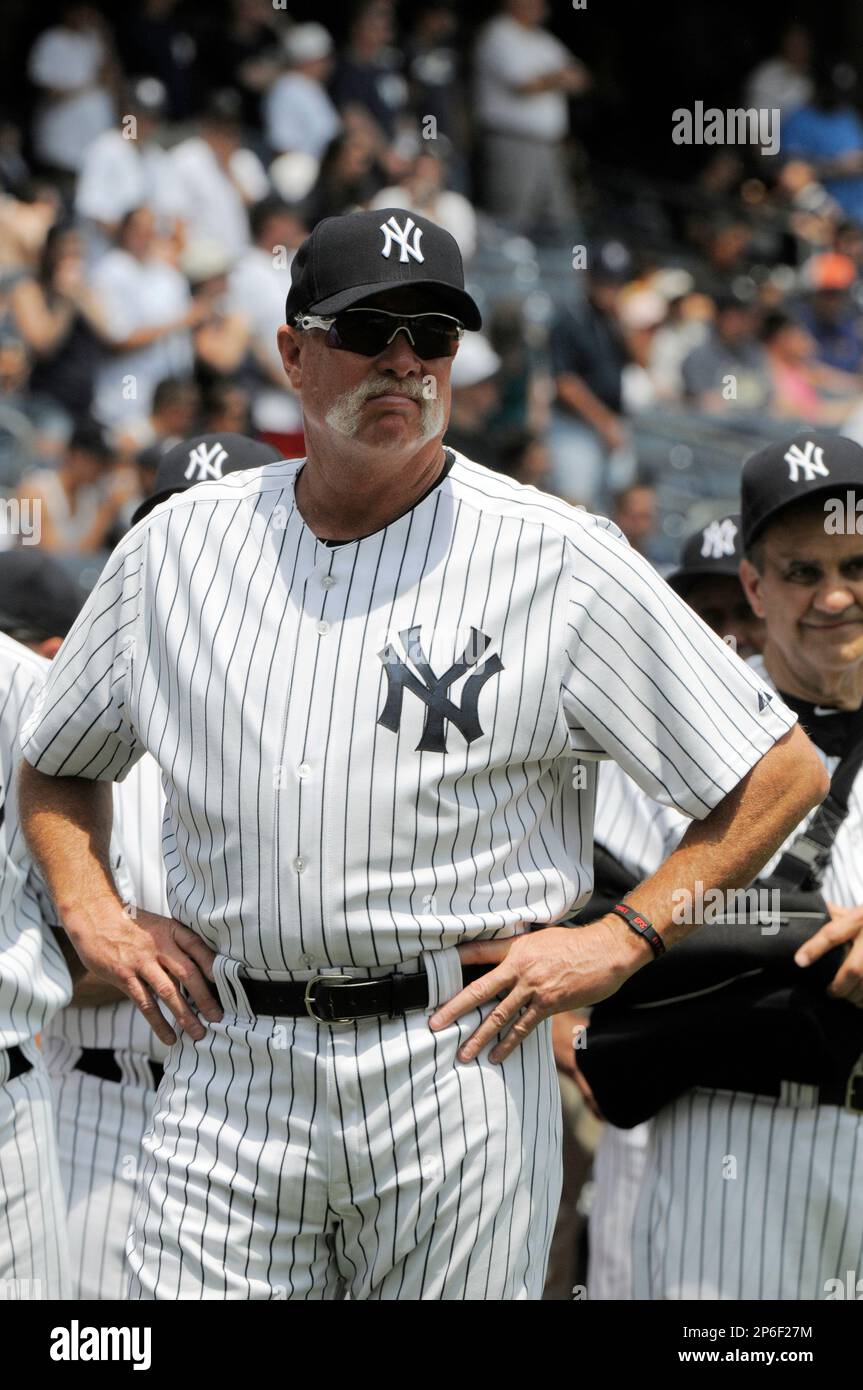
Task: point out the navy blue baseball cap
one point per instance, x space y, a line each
812 462
200 459
38 598
347 259
716 549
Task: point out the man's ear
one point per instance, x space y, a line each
288 340
752 582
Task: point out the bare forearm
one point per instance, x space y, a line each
577 396
67 824
732 844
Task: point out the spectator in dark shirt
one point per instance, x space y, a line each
347 178
154 41
588 355
61 321
828 313
368 74
730 370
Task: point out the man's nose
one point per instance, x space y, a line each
399 356
834 597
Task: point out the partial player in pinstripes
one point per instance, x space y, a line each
754 1195
377 682
105 1060
34 978
641 833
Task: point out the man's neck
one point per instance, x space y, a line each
840 689
341 500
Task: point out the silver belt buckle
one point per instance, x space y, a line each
309 1000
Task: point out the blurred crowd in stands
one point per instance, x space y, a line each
152 201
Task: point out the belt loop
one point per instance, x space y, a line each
444 975
230 988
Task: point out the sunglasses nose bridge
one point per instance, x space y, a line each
402 328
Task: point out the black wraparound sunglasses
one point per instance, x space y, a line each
369 331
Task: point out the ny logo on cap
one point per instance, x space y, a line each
806 463
394 235
717 539
205 463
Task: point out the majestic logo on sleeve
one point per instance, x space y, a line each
205 463
717 539
764 698
432 689
394 235
805 464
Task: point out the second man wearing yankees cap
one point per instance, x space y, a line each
377 681
784 1221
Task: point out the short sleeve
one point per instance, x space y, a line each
80 725
646 682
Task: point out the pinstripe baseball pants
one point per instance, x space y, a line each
99 1129
291 1160
618 1170
747 1198
34 1254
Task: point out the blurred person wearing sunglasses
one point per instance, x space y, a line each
374 669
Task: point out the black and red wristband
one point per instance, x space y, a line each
637 922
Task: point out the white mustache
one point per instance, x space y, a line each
344 415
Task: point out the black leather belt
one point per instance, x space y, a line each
102 1062
18 1063
342 999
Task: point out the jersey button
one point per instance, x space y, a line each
304 770
327 582
299 864
308 960
322 627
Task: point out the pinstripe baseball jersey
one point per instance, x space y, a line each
34 980
369 750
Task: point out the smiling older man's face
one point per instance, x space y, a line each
390 402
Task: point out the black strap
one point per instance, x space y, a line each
804 862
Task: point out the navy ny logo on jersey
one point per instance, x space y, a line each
432 689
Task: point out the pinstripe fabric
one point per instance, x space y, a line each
641 834
100 1124
751 1197
363 1159
34 982
34 1252
367 752
213 641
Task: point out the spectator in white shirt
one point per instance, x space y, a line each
298 112
126 168
784 81
73 67
524 76
257 287
220 179
149 313
423 191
